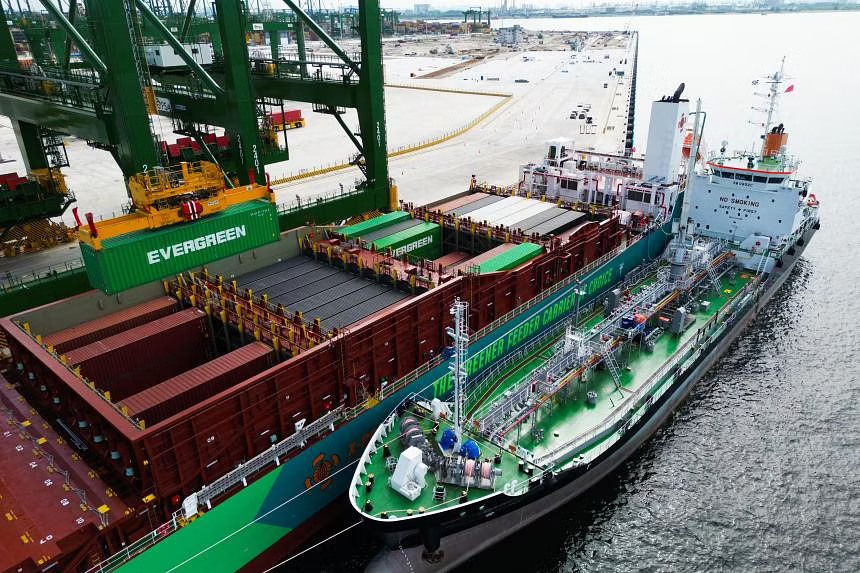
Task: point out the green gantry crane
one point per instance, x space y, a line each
107 97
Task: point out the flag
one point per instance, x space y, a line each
789 89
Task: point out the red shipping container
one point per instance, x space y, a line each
194 386
276 117
108 325
140 358
293 115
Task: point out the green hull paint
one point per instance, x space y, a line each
512 335
571 414
287 501
178 552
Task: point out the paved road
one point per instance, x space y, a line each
495 149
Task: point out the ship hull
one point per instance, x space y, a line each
285 507
462 539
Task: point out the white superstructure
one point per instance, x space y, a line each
665 133
645 187
754 201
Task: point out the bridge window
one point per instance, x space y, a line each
743 176
759 179
728 175
776 179
635 195
570 184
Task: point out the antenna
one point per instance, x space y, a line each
773 93
774 82
460 335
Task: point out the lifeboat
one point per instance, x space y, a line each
688 142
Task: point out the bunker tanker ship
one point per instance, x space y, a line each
445 477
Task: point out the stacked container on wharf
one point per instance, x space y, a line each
207 428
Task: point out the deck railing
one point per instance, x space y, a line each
218 487
737 304
407 379
136 547
483 380
11 282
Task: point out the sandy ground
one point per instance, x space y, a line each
540 110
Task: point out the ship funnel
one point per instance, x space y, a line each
774 143
665 134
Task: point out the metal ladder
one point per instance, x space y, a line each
715 280
142 70
761 262
611 364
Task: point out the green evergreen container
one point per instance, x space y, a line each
138 258
422 241
511 258
373 224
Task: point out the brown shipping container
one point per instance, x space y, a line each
194 386
108 325
131 361
451 259
458 202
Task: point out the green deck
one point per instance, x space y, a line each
564 416
574 416
384 498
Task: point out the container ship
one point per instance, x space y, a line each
210 419
171 423
445 476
